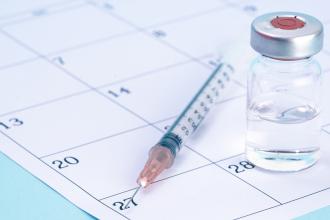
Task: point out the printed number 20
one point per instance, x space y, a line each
65 162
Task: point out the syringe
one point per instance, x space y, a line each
162 155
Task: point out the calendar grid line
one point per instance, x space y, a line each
46 102
91 43
237 6
178 19
177 174
79 80
77 47
86 84
144 31
190 148
166 178
197 61
96 140
228 158
259 211
277 201
310 194
73 76
227 3
107 197
179 51
151 72
21 62
324 130
32 154
128 131
251 185
44 6
76 78
106 137
105 39
20 21
82 82
193 58
139 75
325 125
185 18
49 58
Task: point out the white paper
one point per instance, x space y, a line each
87 87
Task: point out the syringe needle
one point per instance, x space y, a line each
132 197
162 155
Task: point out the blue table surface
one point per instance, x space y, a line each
23 196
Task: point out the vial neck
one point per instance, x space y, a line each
285 65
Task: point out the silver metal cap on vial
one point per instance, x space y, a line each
287 35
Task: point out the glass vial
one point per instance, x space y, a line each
284 92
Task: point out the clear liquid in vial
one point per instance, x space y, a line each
283 133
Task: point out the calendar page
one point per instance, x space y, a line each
88 87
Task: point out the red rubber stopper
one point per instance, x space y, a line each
287 23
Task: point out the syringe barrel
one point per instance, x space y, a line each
196 110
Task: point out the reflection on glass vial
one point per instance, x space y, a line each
284 90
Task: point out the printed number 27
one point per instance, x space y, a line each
122 205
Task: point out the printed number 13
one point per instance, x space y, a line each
13 122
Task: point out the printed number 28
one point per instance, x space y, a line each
242 166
